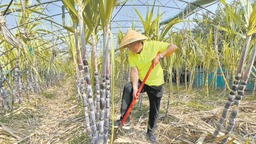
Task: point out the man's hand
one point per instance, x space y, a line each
134 93
157 59
134 80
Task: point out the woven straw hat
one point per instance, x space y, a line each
130 37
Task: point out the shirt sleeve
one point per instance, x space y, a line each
161 46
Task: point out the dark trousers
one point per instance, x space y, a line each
154 93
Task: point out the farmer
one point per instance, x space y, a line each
142 54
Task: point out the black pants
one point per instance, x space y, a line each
155 94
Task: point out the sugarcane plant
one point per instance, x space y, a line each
11 39
87 15
24 57
241 78
6 101
106 9
7 59
91 19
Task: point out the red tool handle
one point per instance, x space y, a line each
137 94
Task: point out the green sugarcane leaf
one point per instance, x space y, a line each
70 29
63 15
52 21
2 6
37 73
88 21
110 7
106 9
251 32
149 17
247 8
168 26
252 22
144 24
230 31
70 5
103 14
233 14
36 11
253 41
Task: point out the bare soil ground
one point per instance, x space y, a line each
55 118
49 118
191 119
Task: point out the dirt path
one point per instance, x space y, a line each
52 117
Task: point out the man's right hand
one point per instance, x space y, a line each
134 94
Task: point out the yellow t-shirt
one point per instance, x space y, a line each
143 62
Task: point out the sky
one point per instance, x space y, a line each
169 8
122 17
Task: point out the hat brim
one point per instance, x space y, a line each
131 36
132 41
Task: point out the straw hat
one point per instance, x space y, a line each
130 37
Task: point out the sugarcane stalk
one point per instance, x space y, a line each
87 78
90 101
108 77
102 108
16 77
32 77
77 85
178 79
79 69
96 80
2 91
233 91
28 79
37 84
103 86
170 85
78 52
81 89
107 112
97 96
240 94
206 81
86 116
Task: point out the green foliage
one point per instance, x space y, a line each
151 27
249 98
252 22
48 95
199 106
70 5
17 115
106 8
80 139
142 110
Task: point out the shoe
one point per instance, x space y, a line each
151 137
125 126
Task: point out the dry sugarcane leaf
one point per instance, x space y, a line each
201 139
127 140
9 131
217 139
231 141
